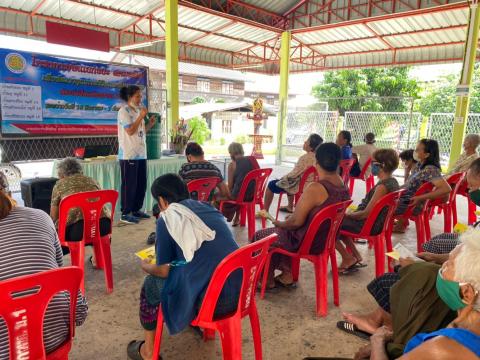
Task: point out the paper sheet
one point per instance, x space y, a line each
400 251
148 253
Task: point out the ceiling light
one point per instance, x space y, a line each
248 66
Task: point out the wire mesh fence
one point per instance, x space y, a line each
396 130
302 123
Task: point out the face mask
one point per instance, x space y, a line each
475 196
449 292
415 156
376 169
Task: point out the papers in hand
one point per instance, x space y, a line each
265 214
400 251
148 253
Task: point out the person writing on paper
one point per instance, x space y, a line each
327 191
132 153
192 238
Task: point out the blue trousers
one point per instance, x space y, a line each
134 185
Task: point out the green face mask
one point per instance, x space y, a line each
475 196
449 292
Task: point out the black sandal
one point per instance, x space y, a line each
133 350
352 329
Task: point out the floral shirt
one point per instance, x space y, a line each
463 163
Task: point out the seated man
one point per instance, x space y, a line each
199 168
192 239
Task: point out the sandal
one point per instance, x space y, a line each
360 265
133 350
347 271
280 283
352 329
286 209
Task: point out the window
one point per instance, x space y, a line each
203 85
227 88
226 126
180 83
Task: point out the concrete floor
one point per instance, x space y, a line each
290 329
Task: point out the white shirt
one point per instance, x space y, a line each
130 147
364 152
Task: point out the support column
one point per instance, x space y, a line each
283 95
463 89
171 57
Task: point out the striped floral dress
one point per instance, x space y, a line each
28 245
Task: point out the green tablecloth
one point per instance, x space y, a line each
107 173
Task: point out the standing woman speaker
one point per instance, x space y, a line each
132 153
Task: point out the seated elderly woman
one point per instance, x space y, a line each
327 191
427 170
384 163
26 231
289 183
457 284
238 169
72 181
470 154
199 168
184 265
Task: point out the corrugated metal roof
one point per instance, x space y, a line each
276 6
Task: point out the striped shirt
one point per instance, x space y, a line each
29 244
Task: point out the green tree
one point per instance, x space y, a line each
362 90
200 129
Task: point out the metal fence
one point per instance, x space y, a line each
440 128
302 123
396 130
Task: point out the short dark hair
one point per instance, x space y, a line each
171 188
370 138
407 155
432 148
347 136
127 92
193 149
388 158
314 140
328 156
475 167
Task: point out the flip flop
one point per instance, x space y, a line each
133 350
360 265
285 209
352 329
347 271
280 283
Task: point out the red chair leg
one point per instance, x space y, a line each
208 334
257 336
266 269
295 268
388 242
336 290
264 221
243 215
420 228
106 256
321 284
77 258
280 196
251 221
379 247
447 219
454 211
158 335
426 222
352 185
230 331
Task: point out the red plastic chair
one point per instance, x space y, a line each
91 204
250 259
24 314
384 239
332 214
463 190
311 171
421 218
369 180
203 187
346 166
455 182
247 207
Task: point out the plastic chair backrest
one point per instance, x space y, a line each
365 168
423 189
312 170
463 187
260 177
24 302
203 187
389 201
91 204
250 259
333 214
456 183
346 166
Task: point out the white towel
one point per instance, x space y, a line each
186 228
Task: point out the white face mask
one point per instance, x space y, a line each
415 156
